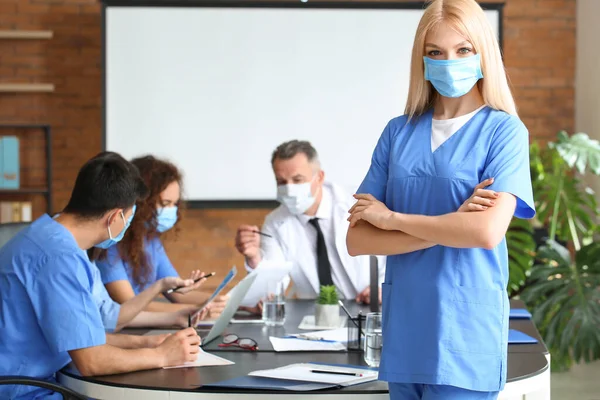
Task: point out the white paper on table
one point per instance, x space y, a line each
338 335
290 344
302 372
268 271
308 323
204 360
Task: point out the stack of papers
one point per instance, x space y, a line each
204 360
297 344
320 373
336 335
308 323
267 271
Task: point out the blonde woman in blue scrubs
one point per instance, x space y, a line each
445 305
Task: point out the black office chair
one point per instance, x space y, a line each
66 393
7 231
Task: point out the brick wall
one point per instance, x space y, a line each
539 46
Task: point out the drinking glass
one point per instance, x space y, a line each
274 304
373 339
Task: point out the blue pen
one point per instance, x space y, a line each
304 337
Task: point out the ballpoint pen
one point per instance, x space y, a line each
196 280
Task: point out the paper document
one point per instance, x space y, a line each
304 372
290 344
204 360
267 271
308 323
338 335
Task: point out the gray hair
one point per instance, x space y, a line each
290 149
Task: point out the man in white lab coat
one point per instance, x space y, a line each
308 228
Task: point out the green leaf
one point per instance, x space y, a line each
558 193
565 298
521 250
328 295
577 149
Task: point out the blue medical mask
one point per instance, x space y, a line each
111 241
296 197
453 78
165 219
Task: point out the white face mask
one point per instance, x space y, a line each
296 197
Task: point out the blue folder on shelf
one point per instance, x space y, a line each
518 337
519 313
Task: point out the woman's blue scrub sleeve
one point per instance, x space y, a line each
508 163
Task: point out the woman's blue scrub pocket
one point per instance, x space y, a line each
477 321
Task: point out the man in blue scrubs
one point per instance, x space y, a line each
48 314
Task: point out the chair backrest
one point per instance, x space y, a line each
8 231
67 394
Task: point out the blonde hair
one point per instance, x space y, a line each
468 19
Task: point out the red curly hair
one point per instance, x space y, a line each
157 175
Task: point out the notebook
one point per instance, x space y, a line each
519 313
288 378
320 373
262 384
518 337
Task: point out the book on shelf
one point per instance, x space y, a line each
9 162
15 211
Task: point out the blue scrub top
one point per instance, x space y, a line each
46 305
109 309
445 310
113 268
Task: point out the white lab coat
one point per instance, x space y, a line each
290 243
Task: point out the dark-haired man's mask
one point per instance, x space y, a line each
111 241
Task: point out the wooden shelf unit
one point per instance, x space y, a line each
22 34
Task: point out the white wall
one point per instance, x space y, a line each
587 76
217 89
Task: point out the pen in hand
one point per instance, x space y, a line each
262 233
195 281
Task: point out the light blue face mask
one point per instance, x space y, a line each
166 218
453 78
112 241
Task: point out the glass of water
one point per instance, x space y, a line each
274 304
373 339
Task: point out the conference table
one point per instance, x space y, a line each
528 373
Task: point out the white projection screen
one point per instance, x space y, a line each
215 89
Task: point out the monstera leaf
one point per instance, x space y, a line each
563 203
578 151
521 251
566 298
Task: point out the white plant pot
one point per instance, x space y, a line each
327 315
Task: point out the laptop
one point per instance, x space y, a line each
236 295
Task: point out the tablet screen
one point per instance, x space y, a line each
230 275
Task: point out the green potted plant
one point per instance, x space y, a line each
327 312
563 289
521 252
